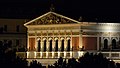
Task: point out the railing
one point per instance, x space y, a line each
77 54
54 54
64 54
22 54
111 55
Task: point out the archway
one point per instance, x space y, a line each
44 45
39 46
50 47
68 45
56 45
113 44
105 44
62 45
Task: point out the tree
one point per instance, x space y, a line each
8 57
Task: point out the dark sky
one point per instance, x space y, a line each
90 10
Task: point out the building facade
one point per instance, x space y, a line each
13 31
53 35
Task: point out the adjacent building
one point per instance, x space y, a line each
13 31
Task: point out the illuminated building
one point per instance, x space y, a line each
53 35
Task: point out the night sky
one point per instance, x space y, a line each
101 11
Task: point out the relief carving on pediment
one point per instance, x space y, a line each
52 19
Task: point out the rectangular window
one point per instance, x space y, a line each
1 30
17 28
5 28
17 42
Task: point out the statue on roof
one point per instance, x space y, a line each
52 8
80 18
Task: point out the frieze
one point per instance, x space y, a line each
31 34
110 34
68 33
90 33
62 33
53 28
75 33
51 19
39 34
56 33
50 34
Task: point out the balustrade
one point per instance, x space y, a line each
77 54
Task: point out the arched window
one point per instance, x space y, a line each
113 44
105 44
44 45
62 45
39 47
68 45
50 47
56 45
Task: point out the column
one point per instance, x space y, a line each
47 44
35 41
65 44
37 44
109 39
59 44
81 31
102 43
53 41
80 41
53 45
98 43
41 42
28 43
42 47
71 41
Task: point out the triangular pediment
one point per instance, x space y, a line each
51 18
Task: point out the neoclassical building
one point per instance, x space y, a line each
53 35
